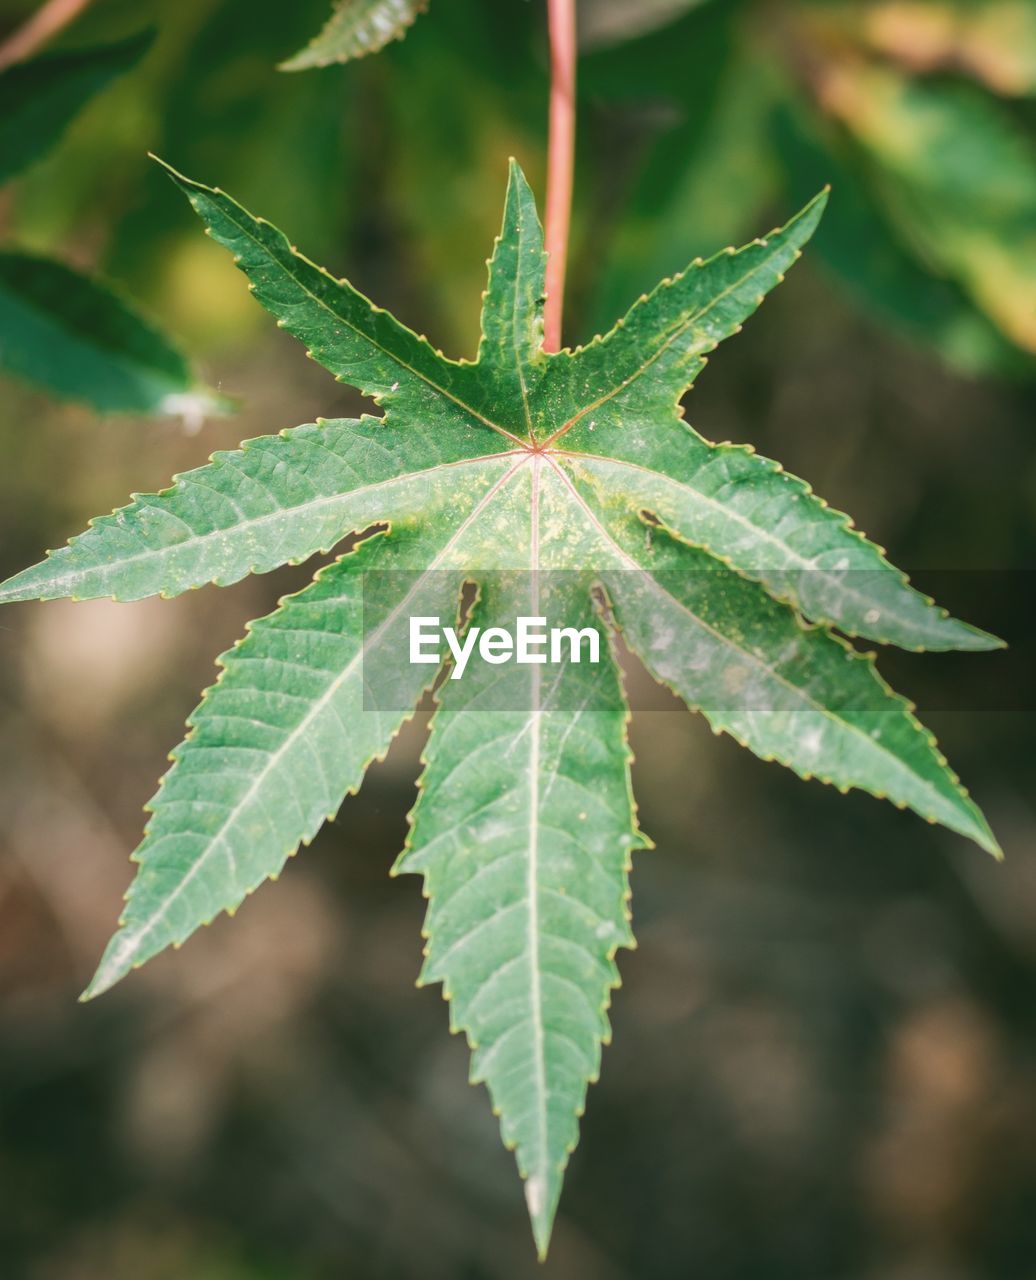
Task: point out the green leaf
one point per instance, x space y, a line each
39 99
706 169
277 500
70 334
959 181
287 718
860 247
523 833
356 28
561 486
473 61
356 341
790 693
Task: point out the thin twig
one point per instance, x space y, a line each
561 150
47 21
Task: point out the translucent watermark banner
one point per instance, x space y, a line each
508 640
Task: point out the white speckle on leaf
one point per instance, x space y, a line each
662 639
665 669
872 616
534 1195
734 678
493 830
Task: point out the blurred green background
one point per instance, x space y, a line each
824 1049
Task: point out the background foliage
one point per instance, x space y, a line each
824 1044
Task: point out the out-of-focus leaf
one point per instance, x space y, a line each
279 134
608 22
707 179
677 65
704 171
482 69
958 178
356 28
68 333
38 99
857 245
217 103
992 40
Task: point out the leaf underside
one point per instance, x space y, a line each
565 485
355 29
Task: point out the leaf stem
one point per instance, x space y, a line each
561 150
47 21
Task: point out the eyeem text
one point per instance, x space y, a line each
530 643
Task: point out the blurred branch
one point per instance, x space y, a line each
46 22
561 149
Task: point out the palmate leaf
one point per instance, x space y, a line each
564 485
356 28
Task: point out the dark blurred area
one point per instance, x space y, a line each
824 1048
